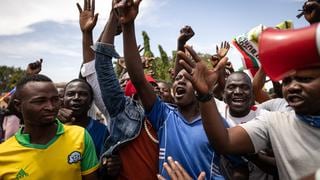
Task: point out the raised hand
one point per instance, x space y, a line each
34 68
224 48
177 172
186 33
126 10
311 11
88 19
198 73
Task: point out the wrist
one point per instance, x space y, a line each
204 97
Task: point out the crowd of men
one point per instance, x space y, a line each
211 123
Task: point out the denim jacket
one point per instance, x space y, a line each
126 115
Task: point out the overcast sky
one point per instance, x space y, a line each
49 29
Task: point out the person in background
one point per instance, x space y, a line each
78 97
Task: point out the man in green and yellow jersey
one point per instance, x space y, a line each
44 148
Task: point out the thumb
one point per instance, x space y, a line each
202 176
137 3
95 18
221 64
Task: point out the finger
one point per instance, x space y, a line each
183 56
182 170
160 177
85 5
93 6
221 64
187 76
185 66
130 3
89 5
137 3
169 171
95 19
79 8
193 53
174 167
104 161
202 176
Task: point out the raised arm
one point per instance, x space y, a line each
186 33
257 84
87 21
112 95
226 141
127 12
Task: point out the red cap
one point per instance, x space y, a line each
130 90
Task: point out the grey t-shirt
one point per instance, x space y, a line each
278 104
295 144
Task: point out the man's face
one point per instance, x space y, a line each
183 91
238 94
302 91
39 103
165 92
77 97
311 10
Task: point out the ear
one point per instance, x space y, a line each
17 104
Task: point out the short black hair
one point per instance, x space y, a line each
83 81
32 78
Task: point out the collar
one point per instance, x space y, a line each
24 139
313 121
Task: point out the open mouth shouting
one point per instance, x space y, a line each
295 100
180 92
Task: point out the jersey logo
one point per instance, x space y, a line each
74 157
21 174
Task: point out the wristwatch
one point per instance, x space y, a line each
204 97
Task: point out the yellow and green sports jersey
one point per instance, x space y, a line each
69 155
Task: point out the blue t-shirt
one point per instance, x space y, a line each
186 142
98 132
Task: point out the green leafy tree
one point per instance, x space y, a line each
9 76
162 65
146 44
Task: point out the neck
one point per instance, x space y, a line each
189 112
41 134
239 114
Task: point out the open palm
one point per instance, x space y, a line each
88 19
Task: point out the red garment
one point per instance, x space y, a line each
140 157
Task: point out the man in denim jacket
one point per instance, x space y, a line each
129 131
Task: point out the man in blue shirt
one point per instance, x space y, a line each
180 131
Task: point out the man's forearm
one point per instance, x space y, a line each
110 29
87 41
131 54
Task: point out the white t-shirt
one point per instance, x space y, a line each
233 121
255 172
295 144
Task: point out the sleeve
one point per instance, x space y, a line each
89 72
12 126
111 92
158 114
89 162
257 130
